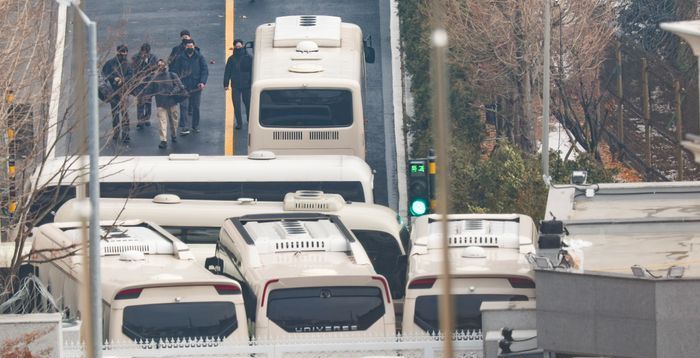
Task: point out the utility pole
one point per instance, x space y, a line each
647 113
80 118
621 106
679 127
545 89
79 87
87 117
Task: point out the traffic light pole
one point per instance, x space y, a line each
432 171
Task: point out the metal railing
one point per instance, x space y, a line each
465 345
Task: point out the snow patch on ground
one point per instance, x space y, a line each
559 141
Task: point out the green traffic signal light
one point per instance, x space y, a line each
418 207
418 187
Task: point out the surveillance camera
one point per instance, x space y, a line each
579 177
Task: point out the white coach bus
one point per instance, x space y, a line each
261 176
198 222
307 91
152 288
304 273
487 253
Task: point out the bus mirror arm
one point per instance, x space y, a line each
214 264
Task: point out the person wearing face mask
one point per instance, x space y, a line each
144 64
193 70
117 72
180 48
166 87
239 74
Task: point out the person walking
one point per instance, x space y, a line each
166 87
180 48
239 74
118 73
144 65
193 71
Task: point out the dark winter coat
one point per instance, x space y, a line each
143 69
163 85
191 70
178 51
113 69
239 71
143 65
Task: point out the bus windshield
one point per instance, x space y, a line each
190 320
325 309
306 108
467 308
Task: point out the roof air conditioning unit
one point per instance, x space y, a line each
313 200
323 30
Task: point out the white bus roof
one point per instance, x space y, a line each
297 245
135 254
195 168
480 245
212 213
338 55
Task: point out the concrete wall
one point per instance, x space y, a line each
678 318
38 333
517 315
617 316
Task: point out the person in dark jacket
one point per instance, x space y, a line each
164 86
193 71
118 73
143 64
239 74
180 48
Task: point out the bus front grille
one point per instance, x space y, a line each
324 135
280 135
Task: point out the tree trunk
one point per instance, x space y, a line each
528 118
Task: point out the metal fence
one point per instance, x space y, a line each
651 106
465 345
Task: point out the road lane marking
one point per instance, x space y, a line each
228 130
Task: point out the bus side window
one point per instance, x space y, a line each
274 191
204 190
129 190
195 235
50 197
384 252
350 191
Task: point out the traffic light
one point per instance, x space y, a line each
418 187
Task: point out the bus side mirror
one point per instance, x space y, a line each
214 264
250 45
368 50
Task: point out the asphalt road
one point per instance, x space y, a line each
134 22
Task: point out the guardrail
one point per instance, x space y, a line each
466 345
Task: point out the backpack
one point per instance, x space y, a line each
105 91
